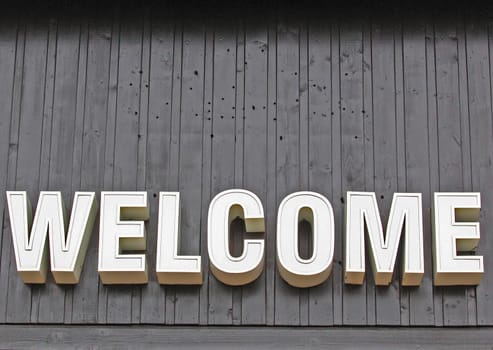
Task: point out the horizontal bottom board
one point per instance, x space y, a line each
152 337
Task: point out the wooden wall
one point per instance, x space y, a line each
264 97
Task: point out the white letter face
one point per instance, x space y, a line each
224 208
118 233
316 209
450 237
172 268
66 254
406 210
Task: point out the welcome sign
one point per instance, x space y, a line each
122 238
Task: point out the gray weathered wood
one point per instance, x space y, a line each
149 337
158 149
400 131
190 161
271 171
353 147
417 162
432 140
223 148
78 138
85 294
9 73
119 302
480 108
142 149
470 292
45 153
206 164
287 298
61 146
369 141
31 116
170 99
255 119
237 229
449 146
320 165
305 241
337 190
110 134
383 114
173 180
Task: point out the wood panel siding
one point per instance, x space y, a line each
263 97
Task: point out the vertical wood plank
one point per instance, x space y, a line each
337 190
78 138
190 161
206 181
32 115
304 228
237 229
8 37
369 147
287 298
96 93
352 141
9 93
401 145
271 206
223 147
142 154
432 104
320 149
255 163
174 160
449 145
417 163
119 307
385 147
470 292
45 149
51 305
111 115
479 69
158 149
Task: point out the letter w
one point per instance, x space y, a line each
67 247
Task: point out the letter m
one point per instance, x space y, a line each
67 246
406 212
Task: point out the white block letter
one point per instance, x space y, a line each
224 208
316 209
172 268
117 234
455 230
406 211
67 251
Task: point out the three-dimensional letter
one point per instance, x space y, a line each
317 210
406 211
118 234
67 248
224 208
456 229
172 268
